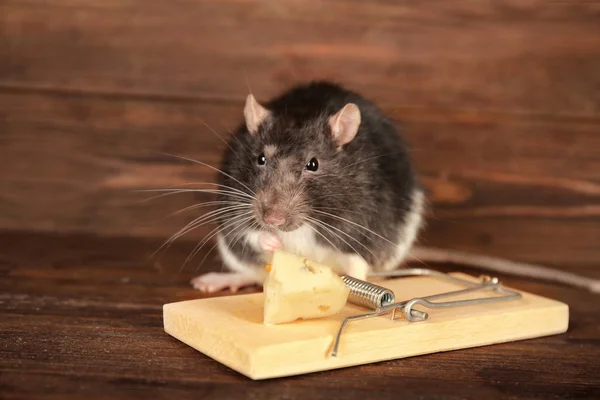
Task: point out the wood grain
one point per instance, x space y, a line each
505 185
533 57
81 317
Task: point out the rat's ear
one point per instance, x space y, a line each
344 124
254 113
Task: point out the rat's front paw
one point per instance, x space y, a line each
217 281
268 242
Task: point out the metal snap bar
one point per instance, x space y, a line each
382 300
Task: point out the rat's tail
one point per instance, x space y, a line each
500 265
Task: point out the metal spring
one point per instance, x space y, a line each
368 294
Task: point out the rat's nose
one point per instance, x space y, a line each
274 218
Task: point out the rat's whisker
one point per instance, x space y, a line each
221 137
243 148
356 212
232 221
206 204
375 157
240 229
334 234
196 249
254 226
211 167
354 223
329 228
215 214
200 183
234 190
228 145
350 237
179 191
339 209
416 258
239 232
357 228
196 223
168 192
323 236
235 221
295 193
173 237
228 190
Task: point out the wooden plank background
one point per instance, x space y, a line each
500 101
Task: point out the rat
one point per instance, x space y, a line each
320 171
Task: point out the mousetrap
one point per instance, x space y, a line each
436 312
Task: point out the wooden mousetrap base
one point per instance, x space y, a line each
230 330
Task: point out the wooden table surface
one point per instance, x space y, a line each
81 318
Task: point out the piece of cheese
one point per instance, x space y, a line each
298 288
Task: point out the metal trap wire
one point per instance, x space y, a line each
382 300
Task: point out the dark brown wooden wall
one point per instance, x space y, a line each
500 101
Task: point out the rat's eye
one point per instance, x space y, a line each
261 160
312 165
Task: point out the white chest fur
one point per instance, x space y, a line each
302 242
